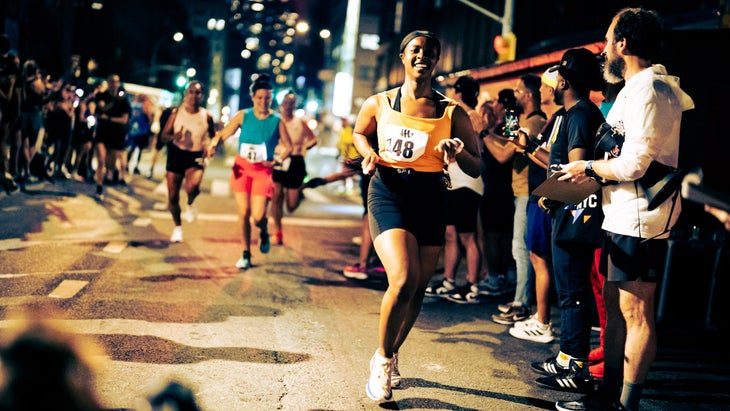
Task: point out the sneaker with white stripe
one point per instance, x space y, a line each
533 330
549 367
575 379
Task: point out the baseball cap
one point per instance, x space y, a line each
579 65
507 97
550 76
469 89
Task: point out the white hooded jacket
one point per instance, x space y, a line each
649 111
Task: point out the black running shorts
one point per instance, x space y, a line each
410 200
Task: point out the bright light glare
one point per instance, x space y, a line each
342 95
302 27
178 36
312 106
324 33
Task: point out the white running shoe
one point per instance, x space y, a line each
526 322
177 235
395 375
378 387
244 263
191 213
534 331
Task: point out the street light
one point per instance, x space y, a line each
177 37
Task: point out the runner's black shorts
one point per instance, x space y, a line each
409 200
179 161
293 177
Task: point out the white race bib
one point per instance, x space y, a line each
253 153
404 144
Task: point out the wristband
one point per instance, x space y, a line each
531 146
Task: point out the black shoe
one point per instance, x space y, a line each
576 379
548 367
315 182
514 313
9 186
468 294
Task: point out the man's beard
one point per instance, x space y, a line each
613 70
558 96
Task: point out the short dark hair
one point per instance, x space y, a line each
643 31
532 82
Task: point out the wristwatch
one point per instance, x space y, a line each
589 169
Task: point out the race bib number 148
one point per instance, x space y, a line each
404 144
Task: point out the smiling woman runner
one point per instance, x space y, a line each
407 135
251 181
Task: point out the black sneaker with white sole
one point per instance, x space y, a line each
440 288
548 367
577 378
514 313
468 294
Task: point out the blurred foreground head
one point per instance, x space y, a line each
45 367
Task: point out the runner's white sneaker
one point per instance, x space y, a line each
177 235
191 213
378 387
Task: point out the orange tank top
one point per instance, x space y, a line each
409 142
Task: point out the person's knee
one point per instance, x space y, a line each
173 198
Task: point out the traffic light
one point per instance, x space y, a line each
505 47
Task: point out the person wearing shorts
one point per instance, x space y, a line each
113 112
289 175
413 126
187 132
649 110
251 178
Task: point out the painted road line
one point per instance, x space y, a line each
220 188
39 273
142 222
161 189
294 221
68 288
115 247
